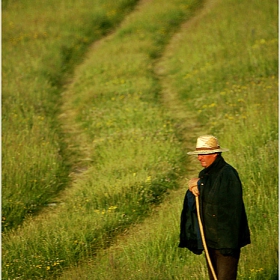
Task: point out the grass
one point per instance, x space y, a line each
232 92
130 156
41 45
126 150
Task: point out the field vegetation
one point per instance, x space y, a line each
95 136
41 45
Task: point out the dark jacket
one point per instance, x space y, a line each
189 232
222 210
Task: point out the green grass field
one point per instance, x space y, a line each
100 104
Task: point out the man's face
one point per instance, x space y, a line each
206 160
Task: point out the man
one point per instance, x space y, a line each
222 211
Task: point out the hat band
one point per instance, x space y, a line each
203 149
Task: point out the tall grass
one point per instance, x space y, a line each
41 43
231 83
224 70
128 142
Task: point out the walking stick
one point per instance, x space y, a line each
203 239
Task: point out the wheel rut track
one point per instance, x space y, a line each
186 124
80 147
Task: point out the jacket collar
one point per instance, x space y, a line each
215 166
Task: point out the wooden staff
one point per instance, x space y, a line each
203 239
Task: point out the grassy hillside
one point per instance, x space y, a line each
104 136
220 74
41 43
117 138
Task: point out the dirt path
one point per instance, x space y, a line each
187 126
79 147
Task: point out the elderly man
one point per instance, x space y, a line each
222 211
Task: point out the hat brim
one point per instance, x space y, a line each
207 152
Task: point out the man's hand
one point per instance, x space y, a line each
193 186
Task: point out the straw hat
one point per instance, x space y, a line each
207 144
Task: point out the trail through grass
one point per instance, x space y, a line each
41 44
131 111
132 154
224 88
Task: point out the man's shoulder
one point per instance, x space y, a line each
229 167
229 171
